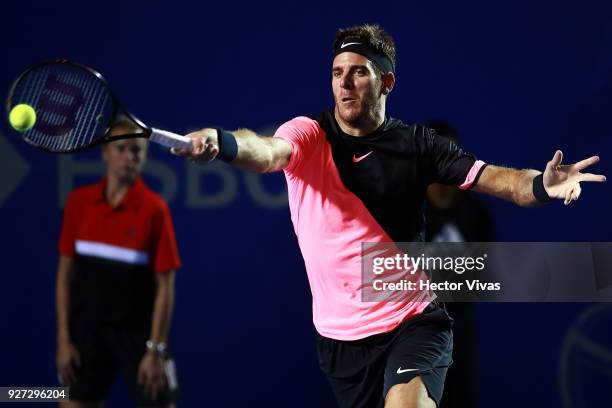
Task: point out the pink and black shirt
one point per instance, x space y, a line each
346 190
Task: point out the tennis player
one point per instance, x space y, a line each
356 175
115 284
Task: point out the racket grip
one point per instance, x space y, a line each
170 139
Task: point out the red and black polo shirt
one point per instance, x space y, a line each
117 250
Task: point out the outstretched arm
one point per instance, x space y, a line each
256 153
558 181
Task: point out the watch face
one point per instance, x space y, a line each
157 348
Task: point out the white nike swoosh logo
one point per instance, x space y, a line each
360 158
399 370
347 44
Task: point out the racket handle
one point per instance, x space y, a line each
170 139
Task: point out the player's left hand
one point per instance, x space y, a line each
564 181
151 374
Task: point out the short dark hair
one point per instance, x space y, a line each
371 33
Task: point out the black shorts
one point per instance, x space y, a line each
361 372
104 350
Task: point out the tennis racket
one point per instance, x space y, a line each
75 109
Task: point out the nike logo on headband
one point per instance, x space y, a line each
347 44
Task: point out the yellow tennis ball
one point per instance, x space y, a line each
22 117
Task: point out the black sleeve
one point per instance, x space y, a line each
448 163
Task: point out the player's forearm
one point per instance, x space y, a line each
259 153
62 297
162 307
509 184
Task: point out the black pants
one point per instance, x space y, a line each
106 349
361 372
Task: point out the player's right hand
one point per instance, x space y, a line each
205 147
68 358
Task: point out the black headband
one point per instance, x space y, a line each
363 47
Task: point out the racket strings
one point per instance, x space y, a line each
74 107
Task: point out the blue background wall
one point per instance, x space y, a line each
518 80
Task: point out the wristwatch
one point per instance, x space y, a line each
158 348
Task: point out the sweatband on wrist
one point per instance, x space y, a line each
539 192
228 148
